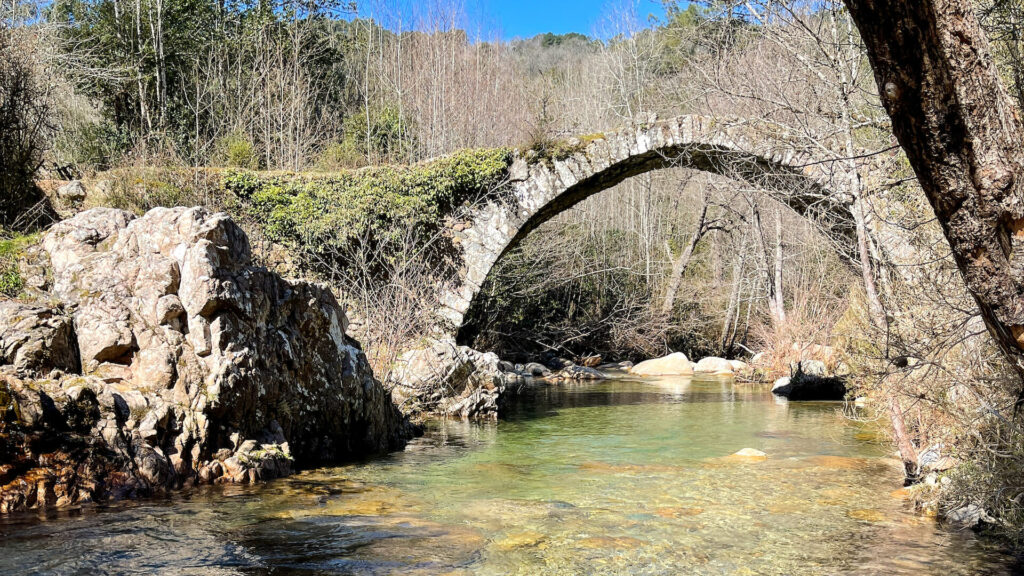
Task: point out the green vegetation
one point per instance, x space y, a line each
12 246
238 151
327 213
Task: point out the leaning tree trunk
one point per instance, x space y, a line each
683 262
965 141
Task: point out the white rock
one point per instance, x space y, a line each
714 366
675 364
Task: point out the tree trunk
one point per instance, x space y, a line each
772 264
681 263
729 325
963 137
780 305
903 443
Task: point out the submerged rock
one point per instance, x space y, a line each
192 365
969 516
675 364
578 373
749 453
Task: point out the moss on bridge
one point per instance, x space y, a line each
322 212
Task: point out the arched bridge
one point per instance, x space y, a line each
541 188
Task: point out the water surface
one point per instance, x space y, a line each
620 477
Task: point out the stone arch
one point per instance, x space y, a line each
541 188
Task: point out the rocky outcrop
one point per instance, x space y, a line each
174 360
675 364
36 338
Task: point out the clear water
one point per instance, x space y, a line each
619 477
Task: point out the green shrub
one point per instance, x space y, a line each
385 137
12 246
381 206
89 145
237 150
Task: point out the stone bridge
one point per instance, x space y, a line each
541 188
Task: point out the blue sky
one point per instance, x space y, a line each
512 18
525 18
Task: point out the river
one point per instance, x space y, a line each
619 477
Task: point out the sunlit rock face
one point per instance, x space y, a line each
451 380
178 361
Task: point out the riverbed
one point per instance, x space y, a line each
618 477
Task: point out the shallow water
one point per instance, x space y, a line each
620 477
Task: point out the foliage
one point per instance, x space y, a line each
238 151
554 292
89 145
324 214
12 246
24 121
381 136
341 155
548 39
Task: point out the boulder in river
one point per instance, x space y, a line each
675 364
575 372
171 355
714 366
448 379
815 368
802 387
536 370
748 454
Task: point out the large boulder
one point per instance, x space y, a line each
714 366
675 364
803 387
187 351
814 368
445 378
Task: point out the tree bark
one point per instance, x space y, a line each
963 137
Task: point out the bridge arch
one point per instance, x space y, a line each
541 188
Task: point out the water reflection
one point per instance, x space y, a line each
610 478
